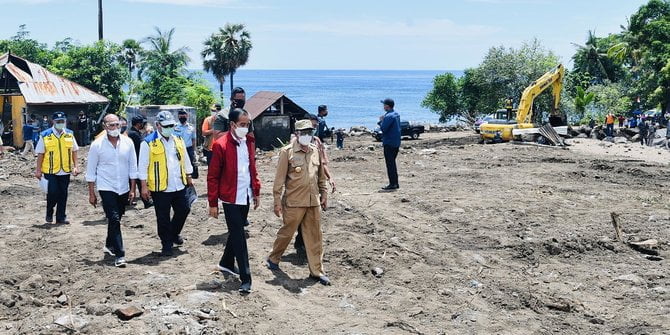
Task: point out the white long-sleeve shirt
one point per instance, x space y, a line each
174 170
244 193
109 167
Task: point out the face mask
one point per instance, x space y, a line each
167 132
305 139
114 133
182 119
124 128
59 126
238 103
241 132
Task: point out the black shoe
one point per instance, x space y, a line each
63 222
245 288
148 204
178 241
234 271
323 280
300 250
270 265
167 252
49 219
390 187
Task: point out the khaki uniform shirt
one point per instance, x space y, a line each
300 175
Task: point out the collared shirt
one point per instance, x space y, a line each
39 149
187 132
319 145
244 192
112 167
300 176
174 169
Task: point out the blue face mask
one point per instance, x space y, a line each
59 126
167 132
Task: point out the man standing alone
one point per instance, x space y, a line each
390 126
165 170
56 160
111 165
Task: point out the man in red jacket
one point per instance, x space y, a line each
233 179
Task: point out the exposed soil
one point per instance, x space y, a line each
498 239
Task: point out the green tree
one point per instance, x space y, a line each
23 46
444 98
609 97
163 69
214 60
96 67
199 95
236 48
583 99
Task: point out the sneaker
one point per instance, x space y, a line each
234 271
178 241
120 262
148 204
323 280
270 265
49 219
108 251
245 288
167 252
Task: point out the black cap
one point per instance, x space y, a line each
217 107
182 112
138 119
58 116
388 101
322 108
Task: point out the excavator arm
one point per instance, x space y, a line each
553 78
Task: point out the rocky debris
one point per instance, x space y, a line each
73 322
98 309
620 140
630 278
62 299
377 272
129 292
7 299
33 282
129 312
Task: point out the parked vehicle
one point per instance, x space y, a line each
406 130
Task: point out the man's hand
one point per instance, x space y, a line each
75 171
145 193
189 181
257 202
332 184
131 197
214 212
324 201
38 174
277 210
92 199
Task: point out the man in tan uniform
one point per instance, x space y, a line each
300 192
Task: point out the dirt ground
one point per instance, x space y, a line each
480 239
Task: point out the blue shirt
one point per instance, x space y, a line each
186 132
28 132
390 126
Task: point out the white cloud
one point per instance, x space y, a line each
433 28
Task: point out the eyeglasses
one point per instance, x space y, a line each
112 124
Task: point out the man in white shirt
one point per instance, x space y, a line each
164 170
111 164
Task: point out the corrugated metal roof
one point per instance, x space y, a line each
260 101
41 86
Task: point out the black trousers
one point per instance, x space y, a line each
390 154
236 245
57 196
191 155
115 206
170 228
208 155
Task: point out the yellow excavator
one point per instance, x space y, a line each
502 127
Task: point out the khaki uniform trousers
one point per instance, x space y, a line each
310 219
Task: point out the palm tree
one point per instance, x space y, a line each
590 58
130 54
160 58
236 47
214 60
583 99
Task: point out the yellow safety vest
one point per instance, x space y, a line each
57 151
157 176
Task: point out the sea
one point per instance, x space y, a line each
352 96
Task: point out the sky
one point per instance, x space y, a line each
339 34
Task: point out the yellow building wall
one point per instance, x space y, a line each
18 105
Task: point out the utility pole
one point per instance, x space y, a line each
99 19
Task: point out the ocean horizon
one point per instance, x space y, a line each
352 96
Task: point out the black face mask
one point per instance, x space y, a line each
238 103
182 119
124 128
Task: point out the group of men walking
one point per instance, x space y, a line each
162 165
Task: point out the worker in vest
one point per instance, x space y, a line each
165 170
56 160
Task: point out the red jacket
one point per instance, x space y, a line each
222 174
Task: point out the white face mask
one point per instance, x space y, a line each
114 132
241 132
305 139
166 132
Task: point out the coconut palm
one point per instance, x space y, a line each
160 58
236 47
589 58
214 60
